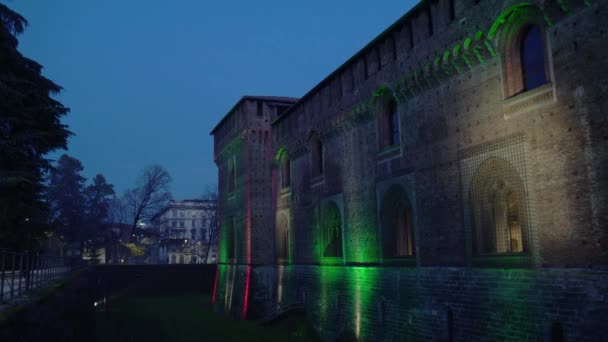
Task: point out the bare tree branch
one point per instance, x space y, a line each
150 195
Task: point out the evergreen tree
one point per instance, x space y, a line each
98 196
67 201
30 128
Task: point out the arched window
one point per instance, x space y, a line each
522 40
173 259
498 208
282 238
181 259
397 224
332 231
532 54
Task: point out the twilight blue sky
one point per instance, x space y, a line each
147 80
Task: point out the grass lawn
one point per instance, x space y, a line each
188 318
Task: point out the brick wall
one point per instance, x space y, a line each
453 117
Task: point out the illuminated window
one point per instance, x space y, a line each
282 238
332 231
498 209
397 224
389 125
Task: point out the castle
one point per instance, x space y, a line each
447 182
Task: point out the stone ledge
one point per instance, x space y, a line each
528 101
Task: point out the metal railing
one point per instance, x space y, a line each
21 272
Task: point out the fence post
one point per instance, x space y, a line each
46 269
20 273
3 276
34 275
13 275
27 270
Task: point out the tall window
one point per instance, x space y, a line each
389 125
231 177
286 173
282 238
394 124
533 59
332 231
397 224
498 209
317 158
525 64
229 239
429 17
452 10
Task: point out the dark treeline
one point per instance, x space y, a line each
30 128
48 205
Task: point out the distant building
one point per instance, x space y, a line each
187 231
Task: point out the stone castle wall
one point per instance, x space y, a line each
450 84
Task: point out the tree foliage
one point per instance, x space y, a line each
66 199
99 196
30 127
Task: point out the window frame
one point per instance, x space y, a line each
511 45
388 147
317 160
282 259
335 201
285 173
392 193
231 181
499 169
